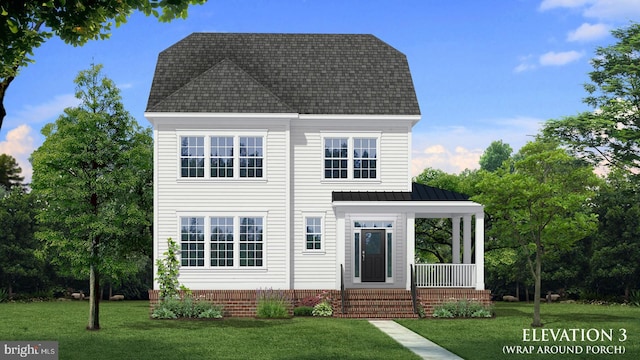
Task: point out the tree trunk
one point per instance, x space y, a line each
94 299
537 291
518 290
3 90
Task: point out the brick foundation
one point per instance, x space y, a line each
359 303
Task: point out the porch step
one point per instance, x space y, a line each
377 304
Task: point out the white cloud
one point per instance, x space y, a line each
454 149
19 143
47 111
588 32
620 10
552 4
553 58
526 64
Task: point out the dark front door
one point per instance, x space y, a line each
372 255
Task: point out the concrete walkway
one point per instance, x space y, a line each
414 342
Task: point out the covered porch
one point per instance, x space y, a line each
402 271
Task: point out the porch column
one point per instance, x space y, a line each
455 246
340 247
480 251
466 234
411 247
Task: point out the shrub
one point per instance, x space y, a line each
215 312
323 309
462 308
442 313
4 295
272 304
303 311
163 313
172 308
480 313
634 298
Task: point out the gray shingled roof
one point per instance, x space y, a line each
282 73
419 192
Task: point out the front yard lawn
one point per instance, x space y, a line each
488 338
128 333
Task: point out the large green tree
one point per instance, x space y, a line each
493 157
27 24
20 267
93 174
540 202
610 134
615 259
9 172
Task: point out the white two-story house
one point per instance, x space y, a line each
283 161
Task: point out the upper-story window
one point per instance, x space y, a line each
251 156
336 158
228 156
222 156
192 156
350 157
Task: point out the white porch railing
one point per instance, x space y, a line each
445 275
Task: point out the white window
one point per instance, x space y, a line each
251 157
192 241
251 244
313 233
221 241
234 241
192 156
351 158
222 156
336 158
229 156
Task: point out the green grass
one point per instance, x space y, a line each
485 338
128 333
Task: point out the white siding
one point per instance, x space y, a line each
225 197
293 187
312 193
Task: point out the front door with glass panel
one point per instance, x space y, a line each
372 257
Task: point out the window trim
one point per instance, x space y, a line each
350 136
322 249
236 135
236 239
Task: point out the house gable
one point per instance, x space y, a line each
223 88
303 73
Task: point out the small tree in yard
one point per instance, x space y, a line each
541 202
168 271
92 174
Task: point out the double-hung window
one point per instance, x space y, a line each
228 156
192 156
222 156
352 158
313 233
192 241
233 241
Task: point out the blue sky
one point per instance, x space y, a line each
483 70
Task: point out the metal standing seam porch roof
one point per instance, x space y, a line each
419 192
